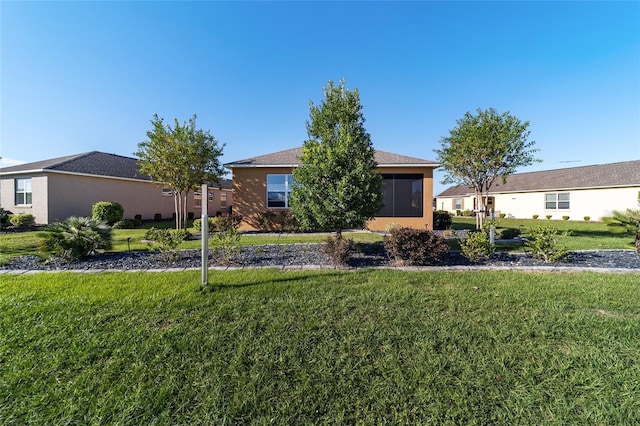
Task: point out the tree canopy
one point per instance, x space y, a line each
182 158
482 148
336 185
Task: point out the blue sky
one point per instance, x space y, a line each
83 76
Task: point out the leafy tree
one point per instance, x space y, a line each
181 157
483 148
627 222
336 185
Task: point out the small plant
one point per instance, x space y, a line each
225 244
467 213
190 215
548 217
565 217
165 240
338 248
157 217
76 237
125 224
408 246
509 233
4 218
502 215
543 244
458 212
266 221
441 220
212 221
22 220
535 216
138 218
587 218
390 226
476 246
107 211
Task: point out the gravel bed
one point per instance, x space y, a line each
311 255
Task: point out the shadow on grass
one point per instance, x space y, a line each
269 276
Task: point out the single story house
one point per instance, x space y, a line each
593 191
57 188
263 183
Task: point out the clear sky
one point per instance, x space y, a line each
84 76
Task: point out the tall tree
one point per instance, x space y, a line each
336 185
482 148
182 158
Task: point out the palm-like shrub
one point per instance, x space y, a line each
76 237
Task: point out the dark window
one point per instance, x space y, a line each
402 195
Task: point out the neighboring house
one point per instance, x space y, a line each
576 192
55 189
263 183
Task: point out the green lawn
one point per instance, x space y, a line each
320 347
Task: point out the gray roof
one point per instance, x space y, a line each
291 158
90 163
610 175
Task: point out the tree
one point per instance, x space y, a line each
182 158
336 185
627 222
483 148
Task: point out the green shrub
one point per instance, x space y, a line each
138 218
509 233
502 215
476 246
22 220
565 217
225 243
338 248
543 244
107 211
548 217
157 217
441 220
225 222
467 213
165 240
190 215
125 224
76 237
587 218
408 246
535 216
4 218
267 221
458 212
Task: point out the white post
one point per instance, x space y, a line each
205 233
492 230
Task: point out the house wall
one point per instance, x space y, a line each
250 189
39 207
596 203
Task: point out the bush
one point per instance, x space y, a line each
338 248
408 246
509 233
190 215
107 211
22 220
458 212
225 222
225 243
267 221
125 224
157 217
138 218
4 218
543 244
535 216
212 221
467 213
441 220
165 240
548 217
476 246
587 218
76 237
565 217
502 215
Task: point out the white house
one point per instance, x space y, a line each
593 191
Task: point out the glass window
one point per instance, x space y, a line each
278 190
458 203
557 201
402 195
223 200
23 191
197 199
166 192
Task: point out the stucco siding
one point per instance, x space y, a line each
250 190
38 207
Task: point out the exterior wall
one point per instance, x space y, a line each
215 206
250 189
39 206
595 203
73 195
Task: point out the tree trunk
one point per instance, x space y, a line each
176 208
479 209
638 242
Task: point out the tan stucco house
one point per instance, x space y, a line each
593 191
57 188
264 183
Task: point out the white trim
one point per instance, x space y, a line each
22 172
380 166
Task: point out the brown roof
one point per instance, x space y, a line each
90 163
622 174
291 158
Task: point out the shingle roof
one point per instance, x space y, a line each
626 173
291 158
91 163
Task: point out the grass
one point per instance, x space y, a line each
320 347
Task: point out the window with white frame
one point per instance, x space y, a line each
197 199
210 195
23 191
223 199
278 190
167 192
458 203
557 201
